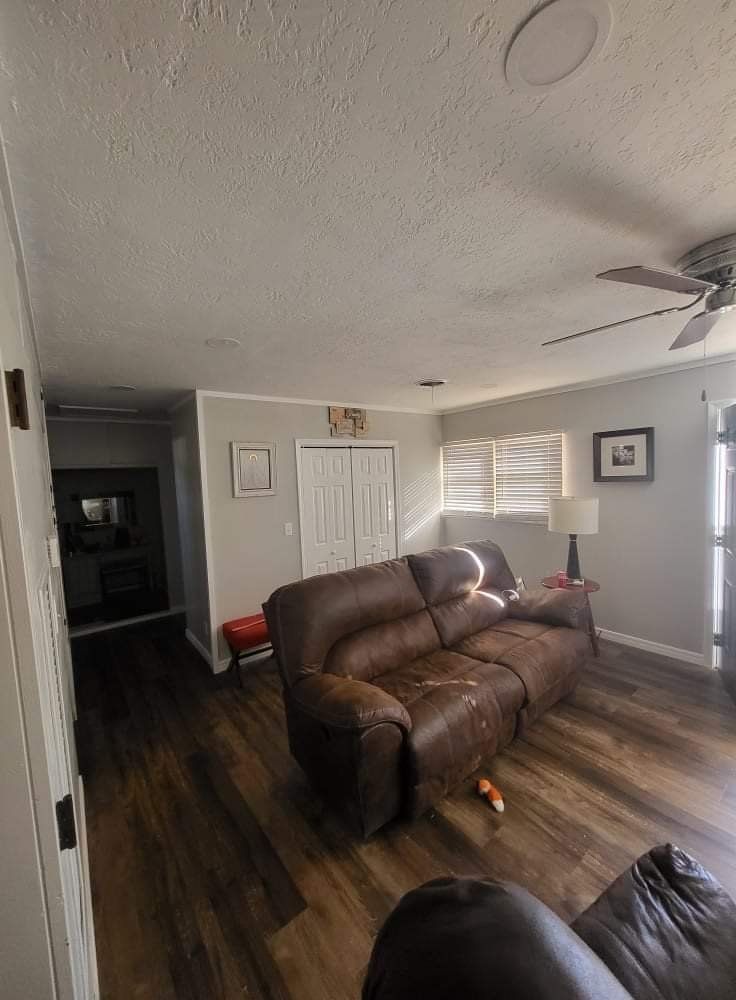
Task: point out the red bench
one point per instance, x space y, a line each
245 637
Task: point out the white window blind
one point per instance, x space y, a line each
528 473
507 477
467 478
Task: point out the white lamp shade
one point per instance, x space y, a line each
574 515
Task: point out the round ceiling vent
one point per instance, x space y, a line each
557 44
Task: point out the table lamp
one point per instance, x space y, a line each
574 516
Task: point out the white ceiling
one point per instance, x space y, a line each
353 191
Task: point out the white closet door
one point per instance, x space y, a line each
373 501
327 518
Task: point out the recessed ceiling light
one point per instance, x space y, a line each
223 343
123 388
557 44
431 383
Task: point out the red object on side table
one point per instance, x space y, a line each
245 637
587 587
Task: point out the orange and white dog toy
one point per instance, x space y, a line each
490 792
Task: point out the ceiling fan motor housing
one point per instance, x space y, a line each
721 298
714 261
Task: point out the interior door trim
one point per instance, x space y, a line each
713 574
301 443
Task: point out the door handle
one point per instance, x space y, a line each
375 545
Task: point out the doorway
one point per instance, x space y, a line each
112 544
348 504
724 561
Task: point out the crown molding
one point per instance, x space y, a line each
217 394
189 397
723 359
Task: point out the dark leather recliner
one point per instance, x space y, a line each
664 930
400 677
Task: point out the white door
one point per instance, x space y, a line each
62 753
65 786
327 511
374 505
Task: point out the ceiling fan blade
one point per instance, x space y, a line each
655 277
697 329
610 326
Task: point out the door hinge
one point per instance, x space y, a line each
65 823
718 639
15 386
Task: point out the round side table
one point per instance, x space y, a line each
588 587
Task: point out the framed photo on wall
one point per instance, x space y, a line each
254 468
624 456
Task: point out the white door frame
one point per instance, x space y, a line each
714 523
337 442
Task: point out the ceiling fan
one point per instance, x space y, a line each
708 273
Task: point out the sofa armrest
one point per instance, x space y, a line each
552 607
466 937
347 704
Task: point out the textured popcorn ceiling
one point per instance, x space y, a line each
352 190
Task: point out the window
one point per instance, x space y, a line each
528 473
467 478
511 477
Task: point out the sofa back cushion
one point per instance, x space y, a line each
307 618
378 649
665 928
462 585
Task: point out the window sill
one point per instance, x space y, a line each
491 517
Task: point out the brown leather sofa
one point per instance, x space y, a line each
664 930
400 677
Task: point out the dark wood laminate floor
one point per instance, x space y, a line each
217 874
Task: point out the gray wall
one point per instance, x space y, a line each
650 554
188 478
251 555
99 444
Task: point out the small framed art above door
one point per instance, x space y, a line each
348 503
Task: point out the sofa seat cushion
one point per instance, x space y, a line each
666 929
543 657
460 709
418 677
488 644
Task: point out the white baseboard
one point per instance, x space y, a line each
80 630
202 650
674 652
